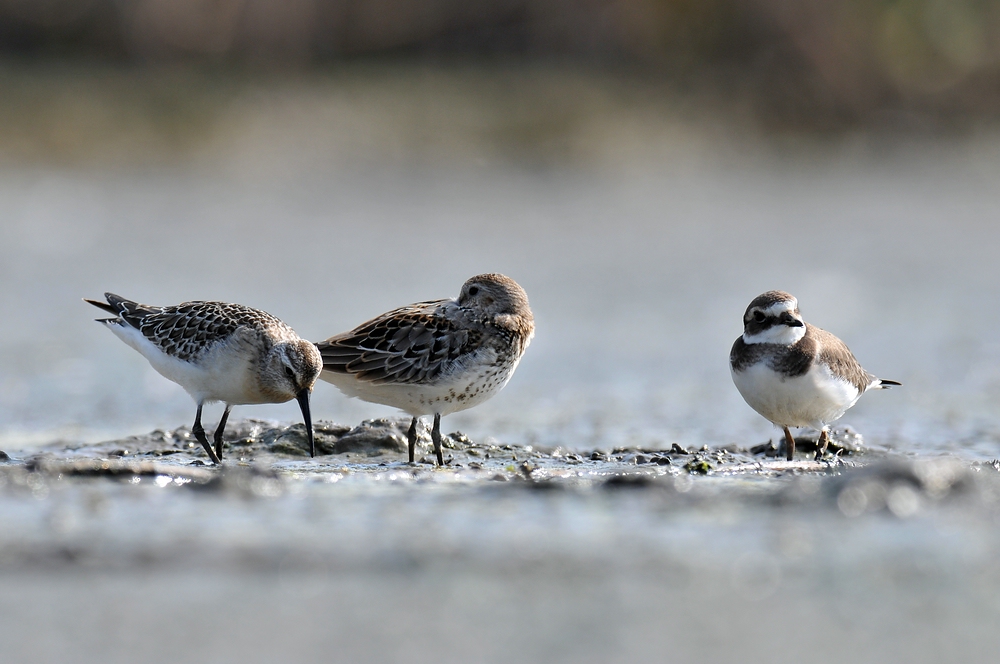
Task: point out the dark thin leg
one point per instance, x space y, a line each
411 438
824 440
436 437
199 433
789 445
220 430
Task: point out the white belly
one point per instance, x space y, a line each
813 399
225 374
465 390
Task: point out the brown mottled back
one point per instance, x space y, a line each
189 329
412 344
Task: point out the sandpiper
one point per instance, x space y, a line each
795 374
219 352
435 357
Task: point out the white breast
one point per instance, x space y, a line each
473 384
813 399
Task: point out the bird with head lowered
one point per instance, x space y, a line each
219 352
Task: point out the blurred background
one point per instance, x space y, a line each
814 64
643 168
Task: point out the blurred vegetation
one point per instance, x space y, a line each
798 63
349 114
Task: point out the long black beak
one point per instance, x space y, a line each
303 399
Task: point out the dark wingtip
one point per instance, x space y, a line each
101 305
885 383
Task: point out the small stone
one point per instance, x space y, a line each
698 467
457 437
767 449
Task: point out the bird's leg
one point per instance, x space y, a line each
199 433
220 430
411 438
821 444
436 437
789 445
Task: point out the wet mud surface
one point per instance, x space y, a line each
375 451
135 491
556 554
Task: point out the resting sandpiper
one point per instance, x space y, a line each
438 357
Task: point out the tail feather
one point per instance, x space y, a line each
126 311
102 305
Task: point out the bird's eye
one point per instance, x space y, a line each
758 316
289 372
474 290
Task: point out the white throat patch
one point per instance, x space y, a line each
776 334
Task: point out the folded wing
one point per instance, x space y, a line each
412 344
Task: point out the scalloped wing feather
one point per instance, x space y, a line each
412 344
188 329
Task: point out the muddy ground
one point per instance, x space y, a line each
135 549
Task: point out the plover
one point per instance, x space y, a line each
795 374
435 357
219 352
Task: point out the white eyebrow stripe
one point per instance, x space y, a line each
781 307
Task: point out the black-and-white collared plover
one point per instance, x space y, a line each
794 374
436 357
219 352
